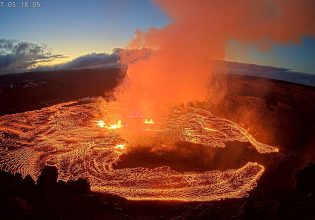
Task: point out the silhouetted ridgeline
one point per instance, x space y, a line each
22 198
29 91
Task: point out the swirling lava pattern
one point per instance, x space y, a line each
66 135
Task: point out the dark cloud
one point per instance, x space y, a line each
118 58
93 60
18 56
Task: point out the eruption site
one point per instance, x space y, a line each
149 108
173 65
70 137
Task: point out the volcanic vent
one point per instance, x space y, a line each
73 137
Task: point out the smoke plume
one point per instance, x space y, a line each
179 70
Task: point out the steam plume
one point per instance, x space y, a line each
179 70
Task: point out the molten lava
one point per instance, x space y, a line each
115 126
210 129
148 121
63 135
102 124
120 146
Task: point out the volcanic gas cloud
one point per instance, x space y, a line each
179 69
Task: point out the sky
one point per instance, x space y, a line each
78 27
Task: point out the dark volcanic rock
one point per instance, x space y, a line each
277 113
305 180
22 199
29 91
48 178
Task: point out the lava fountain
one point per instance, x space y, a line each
72 138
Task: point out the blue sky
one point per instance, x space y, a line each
77 27
297 57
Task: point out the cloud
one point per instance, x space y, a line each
269 72
179 71
118 58
19 56
93 60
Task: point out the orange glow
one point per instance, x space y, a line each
115 126
101 123
179 70
210 129
148 121
92 153
120 146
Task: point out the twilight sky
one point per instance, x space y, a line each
78 27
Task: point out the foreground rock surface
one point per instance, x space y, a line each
22 198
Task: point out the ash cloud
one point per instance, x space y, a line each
19 56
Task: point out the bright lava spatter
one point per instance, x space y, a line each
69 137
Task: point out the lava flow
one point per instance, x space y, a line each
102 124
148 121
66 136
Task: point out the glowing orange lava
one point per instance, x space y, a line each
63 135
210 129
120 146
115 126
102 124
148 121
